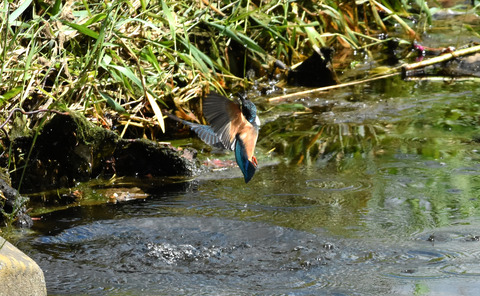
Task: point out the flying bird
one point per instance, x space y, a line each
234 126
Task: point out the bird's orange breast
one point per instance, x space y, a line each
248 134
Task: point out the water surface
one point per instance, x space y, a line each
377 194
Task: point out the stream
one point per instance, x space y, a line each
376 194
366 189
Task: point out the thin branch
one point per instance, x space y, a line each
206 2
443 58
315 90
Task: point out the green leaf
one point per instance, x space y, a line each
469 28
225 31
128 73
82 29
424 7
94 19
56 7
170 18
13 17
238 37
252 45
199 57
148 55
10 94
275 33
112 103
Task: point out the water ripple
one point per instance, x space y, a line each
335 185
464 269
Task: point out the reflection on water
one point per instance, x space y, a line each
379 199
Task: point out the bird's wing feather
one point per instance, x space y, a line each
206 134
220 113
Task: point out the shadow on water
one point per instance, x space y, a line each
378 195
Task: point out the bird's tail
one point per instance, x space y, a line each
204 132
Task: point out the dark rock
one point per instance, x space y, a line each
13 206
316 71
464 66
70 149
143 157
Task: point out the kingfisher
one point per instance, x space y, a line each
234 126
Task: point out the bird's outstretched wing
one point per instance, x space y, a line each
204 132
224 117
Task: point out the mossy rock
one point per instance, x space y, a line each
70 149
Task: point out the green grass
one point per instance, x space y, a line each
125 57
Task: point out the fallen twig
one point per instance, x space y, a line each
407 67
206 2
442 58
315 90
447 79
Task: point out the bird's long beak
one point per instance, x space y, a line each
254 161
